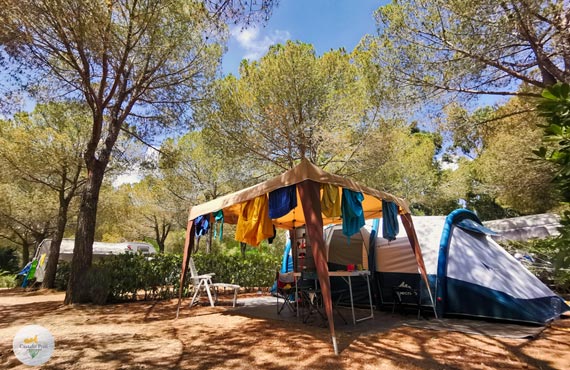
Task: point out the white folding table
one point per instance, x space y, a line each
347 277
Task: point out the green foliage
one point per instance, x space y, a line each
194 170
502 178
96 285
62 275
561 247
129 277
7 279
41 170
551 258
290 104
473 47
152 57
125 276
555 108
398 159
9 260
130 274
256 270
523 183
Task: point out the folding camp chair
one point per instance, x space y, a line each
200 282
311 296
204 282
286 290
402 295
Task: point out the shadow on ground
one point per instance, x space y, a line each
146 335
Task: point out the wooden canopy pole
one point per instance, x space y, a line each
188 246
309 193
413 238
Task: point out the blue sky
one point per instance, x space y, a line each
326 24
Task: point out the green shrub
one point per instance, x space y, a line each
62 275
96 285
157 277
7 279
257 269
550 263
9 260
129 277
555 108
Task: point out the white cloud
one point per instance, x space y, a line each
449 165
451 162
255 44
130 177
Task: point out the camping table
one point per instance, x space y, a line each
346 276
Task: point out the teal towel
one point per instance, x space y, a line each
390 226
352 212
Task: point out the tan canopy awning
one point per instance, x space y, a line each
230 204
309 180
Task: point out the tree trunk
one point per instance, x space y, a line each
53 257
161 233
209 245
197 247
165 230
25 253
85 234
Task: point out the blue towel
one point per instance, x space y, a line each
390 226
219 218
352 212
282 201
26 269
372 247
202 225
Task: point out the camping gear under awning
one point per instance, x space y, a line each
308 179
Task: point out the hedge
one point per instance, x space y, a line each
135 276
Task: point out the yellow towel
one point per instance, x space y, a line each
254 224
330 201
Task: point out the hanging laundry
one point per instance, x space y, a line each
254 224
282 201
219 218
26 269
330 201
270 240
202 224
390 226
42 259
352 212
31 274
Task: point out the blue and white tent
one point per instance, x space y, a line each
469 272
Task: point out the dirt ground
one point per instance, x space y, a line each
146 335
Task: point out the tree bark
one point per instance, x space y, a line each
160 244
53 257
209 245
85 233
25 253
161 232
